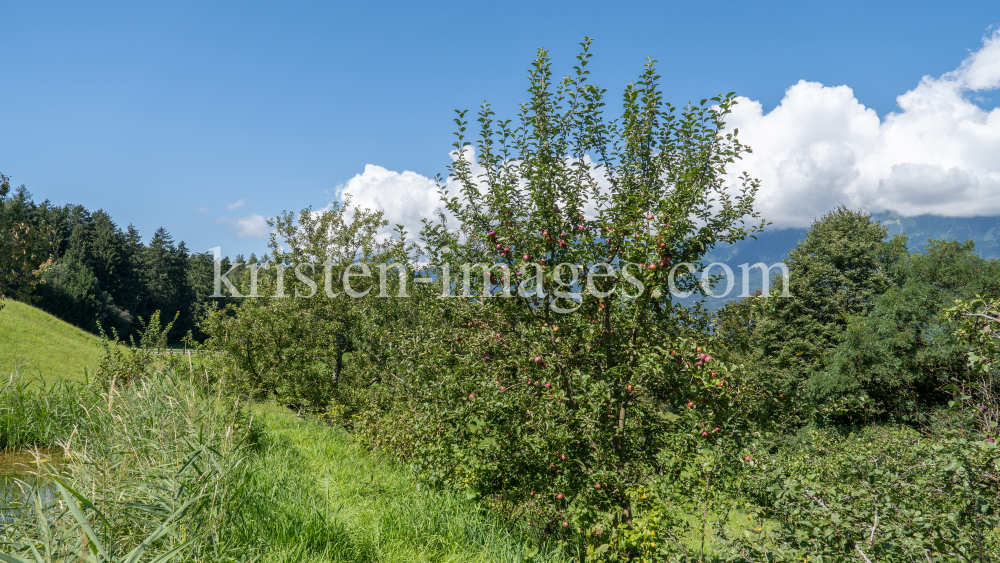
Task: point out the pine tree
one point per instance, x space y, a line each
72 292
165 280
109 260
25 242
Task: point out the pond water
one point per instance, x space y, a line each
19 470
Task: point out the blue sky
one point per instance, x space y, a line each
203 118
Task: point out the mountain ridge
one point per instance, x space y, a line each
772 245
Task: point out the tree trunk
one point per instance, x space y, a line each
338 365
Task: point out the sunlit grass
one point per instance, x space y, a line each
334 501
233 485
34 342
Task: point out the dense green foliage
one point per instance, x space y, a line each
297 355
835 273
863 337
903 352
891 494
24 245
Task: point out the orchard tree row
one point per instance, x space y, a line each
854 420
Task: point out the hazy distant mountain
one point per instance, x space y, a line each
773 245
985 231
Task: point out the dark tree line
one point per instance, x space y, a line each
84 268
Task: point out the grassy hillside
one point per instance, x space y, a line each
33 341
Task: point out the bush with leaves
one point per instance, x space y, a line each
883 494
976 321
289 338
123 363
555 403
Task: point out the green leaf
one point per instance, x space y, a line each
68 495
163 530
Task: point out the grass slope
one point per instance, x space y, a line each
33 341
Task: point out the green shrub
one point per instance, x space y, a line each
882 494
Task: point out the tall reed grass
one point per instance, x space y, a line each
152 471
165 469
36 414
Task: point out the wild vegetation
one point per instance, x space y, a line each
166 468
579 413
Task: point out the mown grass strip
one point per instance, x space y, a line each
323 498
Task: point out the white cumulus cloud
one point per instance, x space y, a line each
236 205
821 147
251 226
405 197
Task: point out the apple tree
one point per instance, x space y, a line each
575 376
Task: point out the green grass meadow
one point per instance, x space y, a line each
34 342
334 501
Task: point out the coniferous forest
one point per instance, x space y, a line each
97 274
